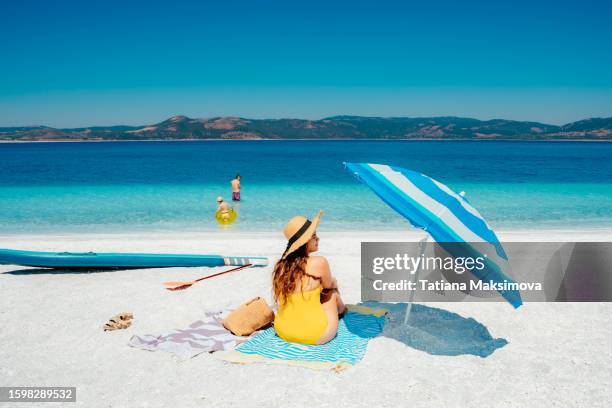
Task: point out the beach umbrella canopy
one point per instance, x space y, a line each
447 216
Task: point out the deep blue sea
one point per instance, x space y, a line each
171 186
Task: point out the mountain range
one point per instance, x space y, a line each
336 127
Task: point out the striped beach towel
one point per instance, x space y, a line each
206 335
355 329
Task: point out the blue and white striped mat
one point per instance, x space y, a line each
355 329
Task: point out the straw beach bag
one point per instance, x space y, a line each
249 317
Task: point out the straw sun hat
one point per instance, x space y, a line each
298 231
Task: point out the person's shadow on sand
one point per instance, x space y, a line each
437 331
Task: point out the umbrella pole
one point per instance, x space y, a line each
422 248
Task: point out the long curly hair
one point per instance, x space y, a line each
287 273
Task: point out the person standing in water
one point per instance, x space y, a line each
236 188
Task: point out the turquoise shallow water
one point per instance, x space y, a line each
172 186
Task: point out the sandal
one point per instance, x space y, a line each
119 322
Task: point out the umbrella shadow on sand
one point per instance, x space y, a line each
438 331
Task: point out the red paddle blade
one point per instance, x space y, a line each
182 287
173 284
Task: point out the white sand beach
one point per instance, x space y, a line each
51 335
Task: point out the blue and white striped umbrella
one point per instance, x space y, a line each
444 214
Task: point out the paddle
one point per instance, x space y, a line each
185 285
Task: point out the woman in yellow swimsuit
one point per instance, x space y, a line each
307 295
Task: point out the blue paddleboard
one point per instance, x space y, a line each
94 260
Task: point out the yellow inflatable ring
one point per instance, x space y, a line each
226 217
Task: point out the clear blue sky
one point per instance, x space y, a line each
74 63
